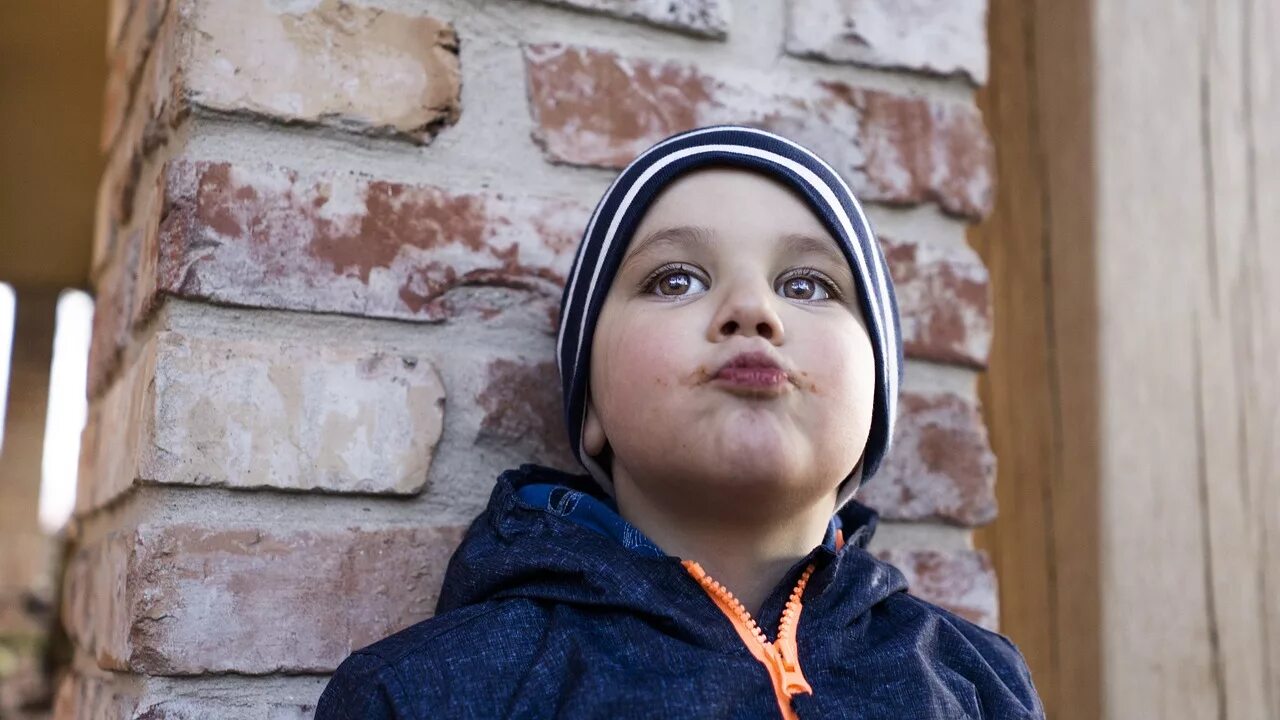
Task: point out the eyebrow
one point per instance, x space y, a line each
679 236
799 244
704 238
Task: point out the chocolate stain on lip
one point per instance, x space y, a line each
804 383
699 376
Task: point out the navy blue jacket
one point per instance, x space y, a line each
554 606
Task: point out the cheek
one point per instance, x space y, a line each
842 369
643 361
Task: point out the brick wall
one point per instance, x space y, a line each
330 244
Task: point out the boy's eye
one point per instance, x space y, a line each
804 288
675 282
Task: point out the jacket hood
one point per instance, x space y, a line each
554 536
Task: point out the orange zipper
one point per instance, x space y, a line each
781 657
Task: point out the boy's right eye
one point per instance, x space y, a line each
673 281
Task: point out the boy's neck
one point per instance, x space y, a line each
748 553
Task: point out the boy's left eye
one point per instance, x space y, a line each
806 288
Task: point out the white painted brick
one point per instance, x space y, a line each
935 36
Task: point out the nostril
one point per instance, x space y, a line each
765 330
731 327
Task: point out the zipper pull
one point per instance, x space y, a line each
786 649
788 655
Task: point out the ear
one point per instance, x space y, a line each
593 438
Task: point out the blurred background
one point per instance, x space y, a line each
52 70
218 219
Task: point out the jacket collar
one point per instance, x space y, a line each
561 548
600 514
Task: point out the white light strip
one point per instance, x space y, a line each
67 409
8 311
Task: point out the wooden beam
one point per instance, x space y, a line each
1134 390
1015 391
1038 394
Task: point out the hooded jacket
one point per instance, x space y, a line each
554 606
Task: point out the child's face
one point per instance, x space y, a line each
685 302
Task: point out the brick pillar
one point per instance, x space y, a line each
331 243
27 554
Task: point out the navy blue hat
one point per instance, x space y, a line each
624 204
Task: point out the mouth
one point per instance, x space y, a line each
754 374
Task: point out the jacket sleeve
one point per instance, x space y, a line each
364 687
1013 695
1017 676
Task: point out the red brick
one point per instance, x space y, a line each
356 68
89 695
944 299
112 315
127 54
135 126
95 698
340 417
190 599
117 13
333 63
120 299
708 18
593 107
524 412
105 226
934 36
147 228
963 582
109 443
940 466
265 236
361 70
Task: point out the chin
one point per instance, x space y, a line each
761 449
759 464
762 491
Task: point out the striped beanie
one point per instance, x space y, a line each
619 212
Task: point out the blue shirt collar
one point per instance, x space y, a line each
601 515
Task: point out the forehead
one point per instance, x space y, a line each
745 205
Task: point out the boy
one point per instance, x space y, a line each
730 360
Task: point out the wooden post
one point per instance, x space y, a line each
1134 391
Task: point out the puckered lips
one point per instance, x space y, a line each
754 374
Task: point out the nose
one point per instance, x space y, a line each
747 309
